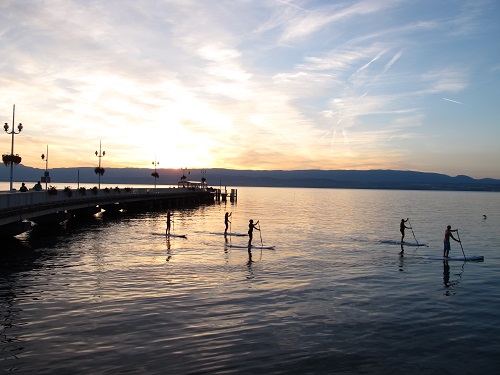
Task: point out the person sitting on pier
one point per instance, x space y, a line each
23 187
226 221
251 227
38 186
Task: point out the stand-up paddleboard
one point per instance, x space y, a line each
460 257
177 235
404 243
230 234
252 247
170 235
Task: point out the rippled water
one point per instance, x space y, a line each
114 296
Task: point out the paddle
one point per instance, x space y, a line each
460 242
260 232
411 226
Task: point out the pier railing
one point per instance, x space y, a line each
30 205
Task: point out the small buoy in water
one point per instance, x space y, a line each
484 216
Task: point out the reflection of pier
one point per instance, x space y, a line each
18 210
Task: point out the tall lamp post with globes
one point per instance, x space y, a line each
203 179
12 159
46 177
155 173
99 171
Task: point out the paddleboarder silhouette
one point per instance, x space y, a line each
226 221
447 235
402 228
251 227
169 220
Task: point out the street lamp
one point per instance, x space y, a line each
99 171
203 179
155 174
46 177
12 159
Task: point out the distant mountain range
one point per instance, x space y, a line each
353 179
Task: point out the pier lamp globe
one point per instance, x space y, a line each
19 128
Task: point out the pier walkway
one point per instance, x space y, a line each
19 209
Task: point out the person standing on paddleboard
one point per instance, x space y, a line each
226 221
447 235
251 227
402 228
169 220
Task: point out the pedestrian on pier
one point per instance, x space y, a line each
23 187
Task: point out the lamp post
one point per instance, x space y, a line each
100 171
46 177
155 174
183 178
12 159
203 179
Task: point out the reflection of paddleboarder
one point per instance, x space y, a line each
402 228
446 274
251 227
169 220
226 221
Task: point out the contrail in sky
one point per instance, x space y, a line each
293 5
453 101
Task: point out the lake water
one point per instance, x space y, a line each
114 296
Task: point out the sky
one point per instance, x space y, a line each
253 84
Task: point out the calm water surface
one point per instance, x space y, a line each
114 296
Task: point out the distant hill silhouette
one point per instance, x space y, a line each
354 179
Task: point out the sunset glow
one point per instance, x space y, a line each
265 84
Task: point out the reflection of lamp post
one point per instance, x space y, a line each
99 171
155 174
12 159
46 177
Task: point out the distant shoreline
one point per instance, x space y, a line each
332 179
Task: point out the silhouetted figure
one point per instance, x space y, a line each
402 228
169 221
23 187
226 221
251 227
447 235
38 186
